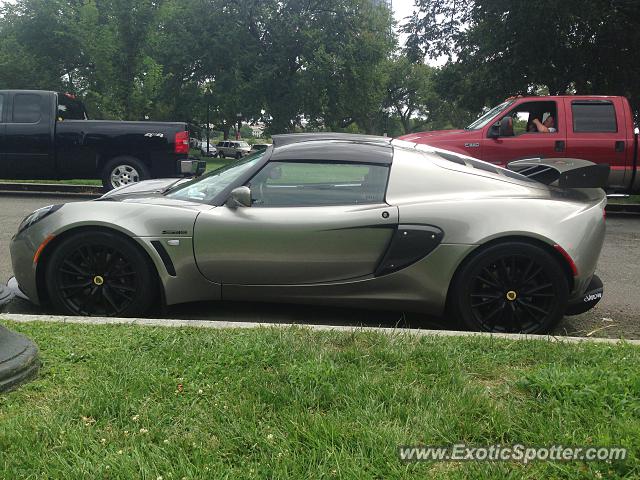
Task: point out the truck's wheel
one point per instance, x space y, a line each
123 170
238 155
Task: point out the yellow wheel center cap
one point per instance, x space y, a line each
98 280
511 295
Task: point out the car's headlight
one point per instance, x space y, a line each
37 216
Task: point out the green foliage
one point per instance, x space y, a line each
288 63
498 49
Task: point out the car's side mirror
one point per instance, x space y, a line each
239 197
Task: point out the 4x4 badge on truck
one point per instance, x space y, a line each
471 145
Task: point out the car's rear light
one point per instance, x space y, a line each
567 257
182 142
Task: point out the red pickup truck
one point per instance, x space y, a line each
595 128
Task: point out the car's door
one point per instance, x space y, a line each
29 145
309 223
526 141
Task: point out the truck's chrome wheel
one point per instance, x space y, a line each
124 175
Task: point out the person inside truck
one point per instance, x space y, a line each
547 125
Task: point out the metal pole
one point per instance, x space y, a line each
208 122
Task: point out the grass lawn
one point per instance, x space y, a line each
142 402
630 199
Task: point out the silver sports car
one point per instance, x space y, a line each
335 220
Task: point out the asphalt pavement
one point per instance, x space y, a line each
617 315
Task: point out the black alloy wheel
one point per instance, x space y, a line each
100 274
511 288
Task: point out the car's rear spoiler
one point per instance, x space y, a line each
563 172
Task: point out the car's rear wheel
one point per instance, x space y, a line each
100 274
510 287
122 171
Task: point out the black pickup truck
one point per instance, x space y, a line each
47 135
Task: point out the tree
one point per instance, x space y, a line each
497 49
410 93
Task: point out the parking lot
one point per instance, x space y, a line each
617 315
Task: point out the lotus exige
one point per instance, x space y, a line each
335 220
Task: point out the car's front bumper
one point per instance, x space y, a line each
23 248
589 298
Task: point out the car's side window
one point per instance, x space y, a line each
594 116
307 184
26 108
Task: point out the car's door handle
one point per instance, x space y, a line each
620 146
560 145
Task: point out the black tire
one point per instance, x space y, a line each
133 171
238 155
511 287
100 274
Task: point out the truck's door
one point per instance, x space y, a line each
525 141
29 147
597 132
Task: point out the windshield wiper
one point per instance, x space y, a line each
169 187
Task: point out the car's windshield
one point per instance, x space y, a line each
487 117
207 187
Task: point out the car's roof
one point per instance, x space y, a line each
337 147
281 140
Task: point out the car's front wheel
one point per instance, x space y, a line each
511 287
100 274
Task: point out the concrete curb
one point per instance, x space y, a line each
153 322
628 208
85 191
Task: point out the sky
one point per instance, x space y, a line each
402 9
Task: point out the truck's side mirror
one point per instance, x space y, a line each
503 128
239 197
506 126
494 130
